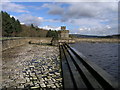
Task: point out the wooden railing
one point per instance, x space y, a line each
80 73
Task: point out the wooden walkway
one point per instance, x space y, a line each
79 73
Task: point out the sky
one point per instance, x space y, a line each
86 18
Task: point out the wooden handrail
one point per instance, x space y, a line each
92 75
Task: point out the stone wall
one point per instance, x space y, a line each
11 43
6 44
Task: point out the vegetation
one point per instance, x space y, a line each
52 33
12 28
32 31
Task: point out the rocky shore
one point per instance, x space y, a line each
31 66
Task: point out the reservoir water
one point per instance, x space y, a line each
105 55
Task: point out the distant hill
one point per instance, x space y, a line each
92 36
115 36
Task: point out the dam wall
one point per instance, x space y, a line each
11 43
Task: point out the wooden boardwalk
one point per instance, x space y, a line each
79 73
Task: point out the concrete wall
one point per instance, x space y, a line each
11 43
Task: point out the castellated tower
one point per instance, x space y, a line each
63 33
63 27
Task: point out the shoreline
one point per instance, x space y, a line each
12 42
76 39
100 40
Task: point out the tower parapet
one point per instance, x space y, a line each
63 27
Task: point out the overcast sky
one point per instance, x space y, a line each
87 18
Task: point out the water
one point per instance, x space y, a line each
104 55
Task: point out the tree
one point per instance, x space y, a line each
52 33
10 26
18 26
32 26
6 24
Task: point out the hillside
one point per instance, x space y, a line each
11 27
28 31
91 36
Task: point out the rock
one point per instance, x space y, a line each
42 85
35 87
38 70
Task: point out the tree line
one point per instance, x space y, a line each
52 33
11 27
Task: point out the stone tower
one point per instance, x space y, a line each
63 27
63 33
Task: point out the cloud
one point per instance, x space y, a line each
92 26
13 7
90 10
54 9
52 20
76 10
93 17
98 30
80 10
5 0
29 19
65 0
51 27
86 22
90 18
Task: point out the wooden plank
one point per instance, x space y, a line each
67 80
77 78
90 81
